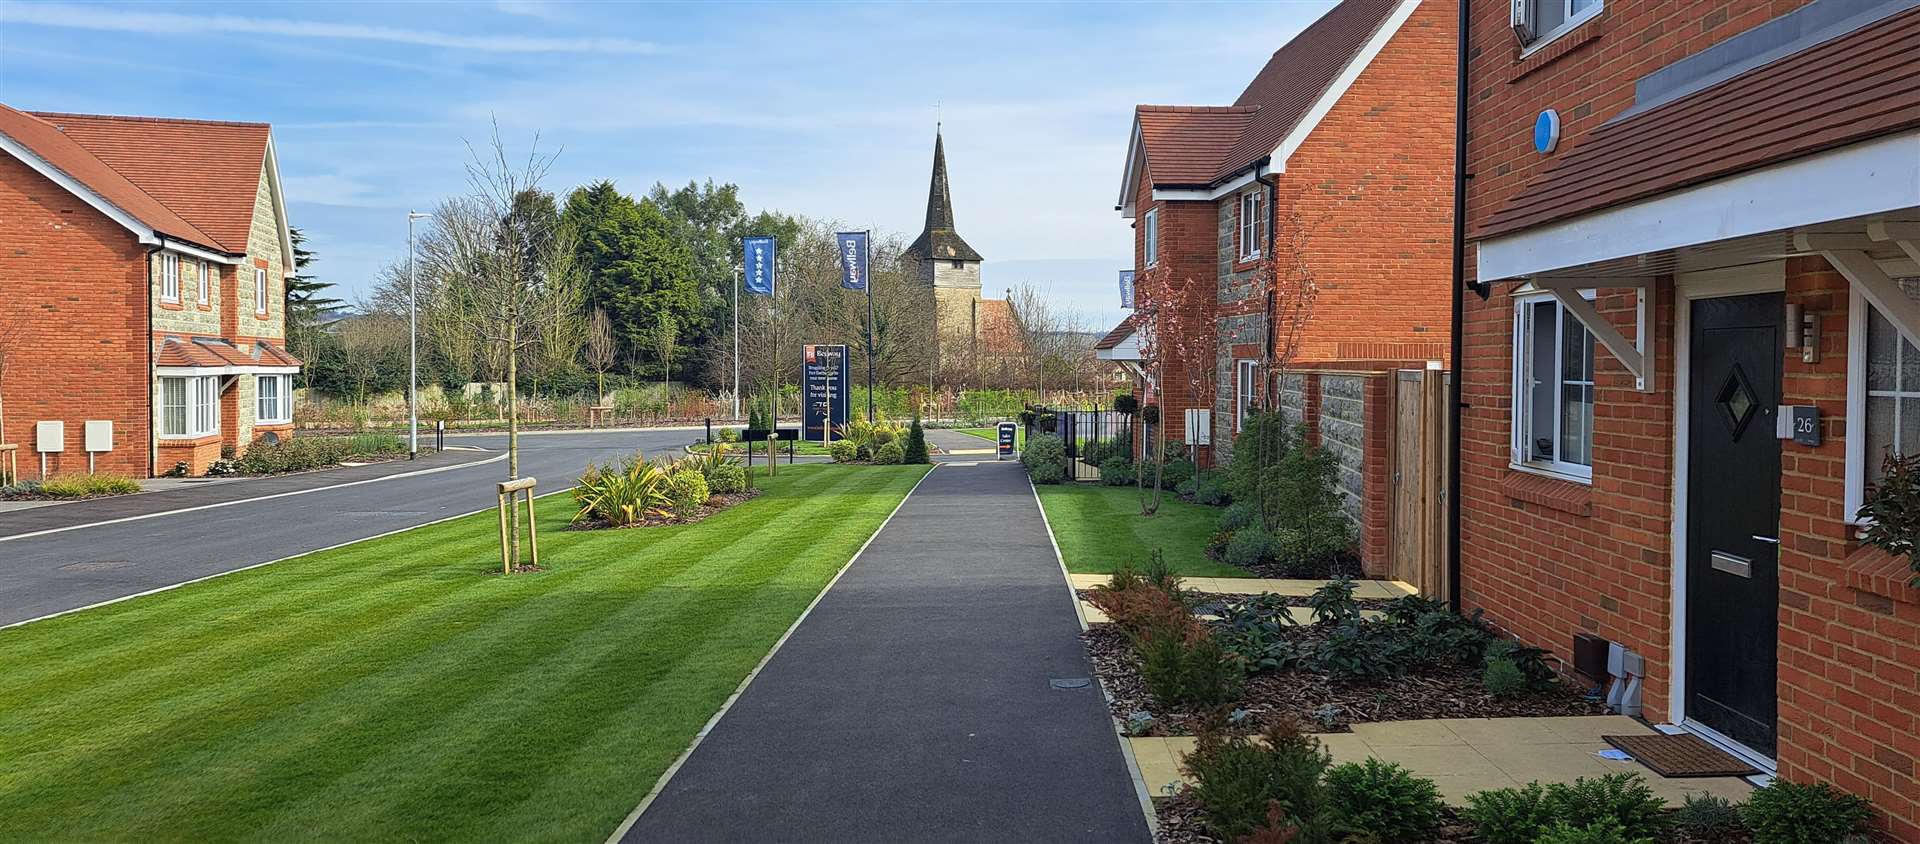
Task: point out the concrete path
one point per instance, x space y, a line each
916 703
961 446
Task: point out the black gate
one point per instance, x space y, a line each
1091 435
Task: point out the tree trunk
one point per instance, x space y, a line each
513 444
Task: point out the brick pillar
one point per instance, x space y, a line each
1377 474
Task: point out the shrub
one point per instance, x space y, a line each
1334 603
1209 488
890 453
916 452
1794 813
1239 514
1177 471
1623 798
1606 831
1126 404
1237 779
1308 545
1708 818
1045 459
1249 546
1502 678
1509 815
298 454
880 435
87 486
1892 509
622 494
1529 661
844 451
1150 414
1182 666
1139 607
1383 801
1358 651
1251 631
687 492
1116 471
729 479
1442 638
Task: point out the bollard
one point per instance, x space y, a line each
440 435
709 432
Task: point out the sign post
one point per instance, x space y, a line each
825 396
1007 430
854 261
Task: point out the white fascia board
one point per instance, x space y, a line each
1871 177
1125 350
1136 164
1342 83
192 251
71 185
1245 178
272 166
175 371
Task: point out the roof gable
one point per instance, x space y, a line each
74 167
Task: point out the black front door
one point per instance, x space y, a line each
1733 516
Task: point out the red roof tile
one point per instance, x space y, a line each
1187 144
1852 88
218 352
82 165
1119 334
206 171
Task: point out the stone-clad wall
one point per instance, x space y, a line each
1343 431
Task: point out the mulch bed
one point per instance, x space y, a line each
713 505
1181 822
37 496
1203 602
1322 703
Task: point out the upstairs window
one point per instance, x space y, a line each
1540 21
1253 224
1553 390
1151 234
260 292
169 277
209 276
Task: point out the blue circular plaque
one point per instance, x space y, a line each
1546 131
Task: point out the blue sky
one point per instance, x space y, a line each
819 109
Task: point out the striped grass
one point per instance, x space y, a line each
1100 527
400 689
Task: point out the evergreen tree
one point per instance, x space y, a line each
635 268
916 441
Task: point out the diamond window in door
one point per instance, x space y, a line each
1737 402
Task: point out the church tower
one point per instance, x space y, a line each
949 266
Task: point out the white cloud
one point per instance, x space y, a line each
125 20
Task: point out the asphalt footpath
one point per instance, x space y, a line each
937 692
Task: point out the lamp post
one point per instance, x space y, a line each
413 346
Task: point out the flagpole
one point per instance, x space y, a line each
870 416
736 338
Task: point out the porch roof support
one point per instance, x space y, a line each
1634 354
1848 254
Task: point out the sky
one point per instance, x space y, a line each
826 110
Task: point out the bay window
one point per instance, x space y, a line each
189 406
275 399
1552 389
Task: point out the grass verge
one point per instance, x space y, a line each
1100 527
992 435
396 690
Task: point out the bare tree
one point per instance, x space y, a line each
1173 341
365 341
600 349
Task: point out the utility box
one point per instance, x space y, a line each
50 437
99 435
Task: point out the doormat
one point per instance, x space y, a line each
1683 755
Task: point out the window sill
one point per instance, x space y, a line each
1542 52
171 304
1876 572
201 439
1550 491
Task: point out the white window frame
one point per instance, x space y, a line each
1151 226
205 294
169 277
199 407
1855 493
1246 378
280 411
259 292
1521 447
1570 21
1253 218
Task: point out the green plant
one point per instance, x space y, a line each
890 453
1892 509
622 494
1796 813
88 486
1209 488
1708 818
1509 815
1250 630
1249 546
1177 471
1334 603
1126 404
1184 667
1045 459
1531 662
844 451
1502 678
1604 831
1307 546
297 454
1358 651
179 470
1239 514
916 452
1116 471
687 492
729 479
1237 780
1439 637
1383 801
1623 798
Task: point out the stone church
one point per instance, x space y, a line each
968 326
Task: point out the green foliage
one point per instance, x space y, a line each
1251 630
636 267
88 486
1249 546
1892 509
1709 819
622 493
1502 678
1311 546
844 451
1045 459
1383 801
1334 603
1237 778
1795 813
1359 651
299 454
1209 488
1509 815
687 492
1116 471
730 479
1623 798
890 453
1183 667
1176 472
1604 831
1239 514
916 452
1531 662
1126 404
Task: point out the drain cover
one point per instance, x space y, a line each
1070 682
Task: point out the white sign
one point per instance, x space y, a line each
50 436
99 435
1199 426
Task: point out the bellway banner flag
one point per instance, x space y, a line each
758 253
1126 288
853 259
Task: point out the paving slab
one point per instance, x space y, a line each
915 701
1268 585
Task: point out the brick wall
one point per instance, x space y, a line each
78 281
1180 285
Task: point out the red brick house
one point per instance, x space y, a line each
1697 229
1292 249
144 264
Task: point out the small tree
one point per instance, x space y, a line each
600 350
916 440
666 333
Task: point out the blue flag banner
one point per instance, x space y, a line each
758 258
1126 288
853 259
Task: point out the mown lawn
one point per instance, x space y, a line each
397 689
992 435
1100 527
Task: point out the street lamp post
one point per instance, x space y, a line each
413 346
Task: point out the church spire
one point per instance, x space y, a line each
939 241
